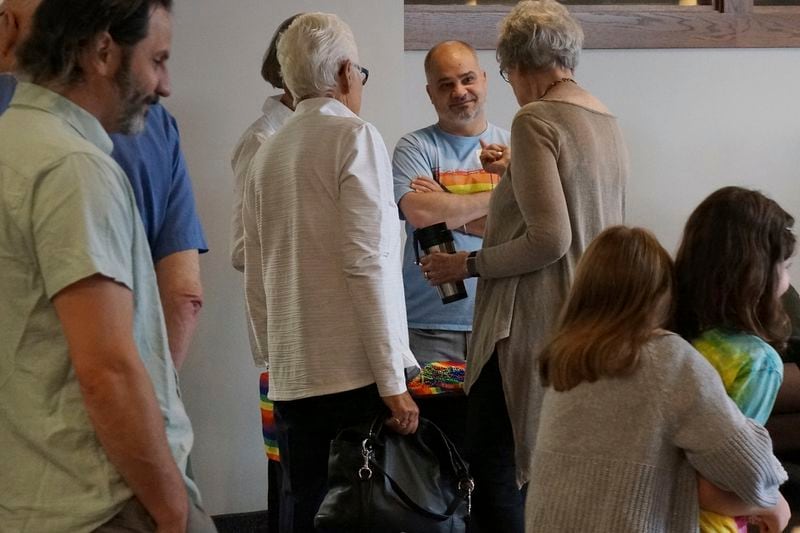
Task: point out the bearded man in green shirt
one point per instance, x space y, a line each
94 435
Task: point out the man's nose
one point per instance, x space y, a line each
164 88
459 91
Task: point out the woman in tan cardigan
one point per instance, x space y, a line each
564 184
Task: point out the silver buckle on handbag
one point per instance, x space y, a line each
466 486
365 472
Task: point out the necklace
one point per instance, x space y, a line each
562 80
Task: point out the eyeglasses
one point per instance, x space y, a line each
504 75
364 74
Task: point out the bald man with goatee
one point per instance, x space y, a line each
438 177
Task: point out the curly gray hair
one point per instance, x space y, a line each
539 34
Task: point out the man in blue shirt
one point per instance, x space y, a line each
156 168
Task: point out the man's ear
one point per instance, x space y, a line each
428 90
343 77
9 35
103 57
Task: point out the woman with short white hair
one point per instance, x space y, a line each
565 183
322 265
313 71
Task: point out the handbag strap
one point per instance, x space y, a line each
456 461
454 505
465 483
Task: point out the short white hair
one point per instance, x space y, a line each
311 51
539 34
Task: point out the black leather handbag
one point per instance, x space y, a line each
380 481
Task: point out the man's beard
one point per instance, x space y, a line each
466 115
134 103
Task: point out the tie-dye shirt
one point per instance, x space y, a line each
752 372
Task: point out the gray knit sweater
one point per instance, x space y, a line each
620 455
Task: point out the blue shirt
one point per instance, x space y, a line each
451 160
8 84
155 166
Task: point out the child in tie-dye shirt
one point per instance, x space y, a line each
732 268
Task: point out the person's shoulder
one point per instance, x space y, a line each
344 122
346 132
736 344
421 138
250 141
751 342
668 350
65 148
535 116
428 132
674 369
261 128
669 341
561 110
82 171
497 133
327 120
363 129
48 143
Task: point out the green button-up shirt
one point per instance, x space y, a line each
67 212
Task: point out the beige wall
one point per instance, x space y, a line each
694 120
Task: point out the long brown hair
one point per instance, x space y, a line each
622 292
727 266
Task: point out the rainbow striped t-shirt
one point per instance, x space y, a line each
453 162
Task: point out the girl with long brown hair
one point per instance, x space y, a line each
732 268
631 411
